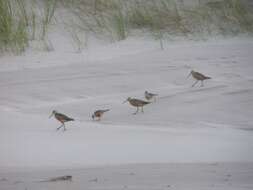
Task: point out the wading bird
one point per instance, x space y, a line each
99 114
62 118
136 103
199 77
149 95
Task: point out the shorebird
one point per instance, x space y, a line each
199 77
136 103
62 118
150 96
99 114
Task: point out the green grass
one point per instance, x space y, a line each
118 17
49 10
13 34
24 20
19 22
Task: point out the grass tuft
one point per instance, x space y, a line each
24 20
49 10
13 34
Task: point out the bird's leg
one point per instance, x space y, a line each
136 111
202 83
64 128
142 109
60 127
195 83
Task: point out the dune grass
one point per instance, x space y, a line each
48 13
21 22
118 18
13 22
24 20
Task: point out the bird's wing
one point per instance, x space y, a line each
143 102
200 75
101 111
64 116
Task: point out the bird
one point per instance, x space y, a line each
99 114
149 95
136 103
61 118
199 77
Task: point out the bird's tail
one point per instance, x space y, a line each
71 119
106 110
208 77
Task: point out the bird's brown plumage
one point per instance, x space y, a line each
199 77
61 118
137 103
99 113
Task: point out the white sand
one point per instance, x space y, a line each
210 124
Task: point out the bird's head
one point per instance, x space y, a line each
127 100
53 113
192 71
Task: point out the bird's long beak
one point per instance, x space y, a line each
51 115
124 102
189 75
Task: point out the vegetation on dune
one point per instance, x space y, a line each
24 20
118 17
13 24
